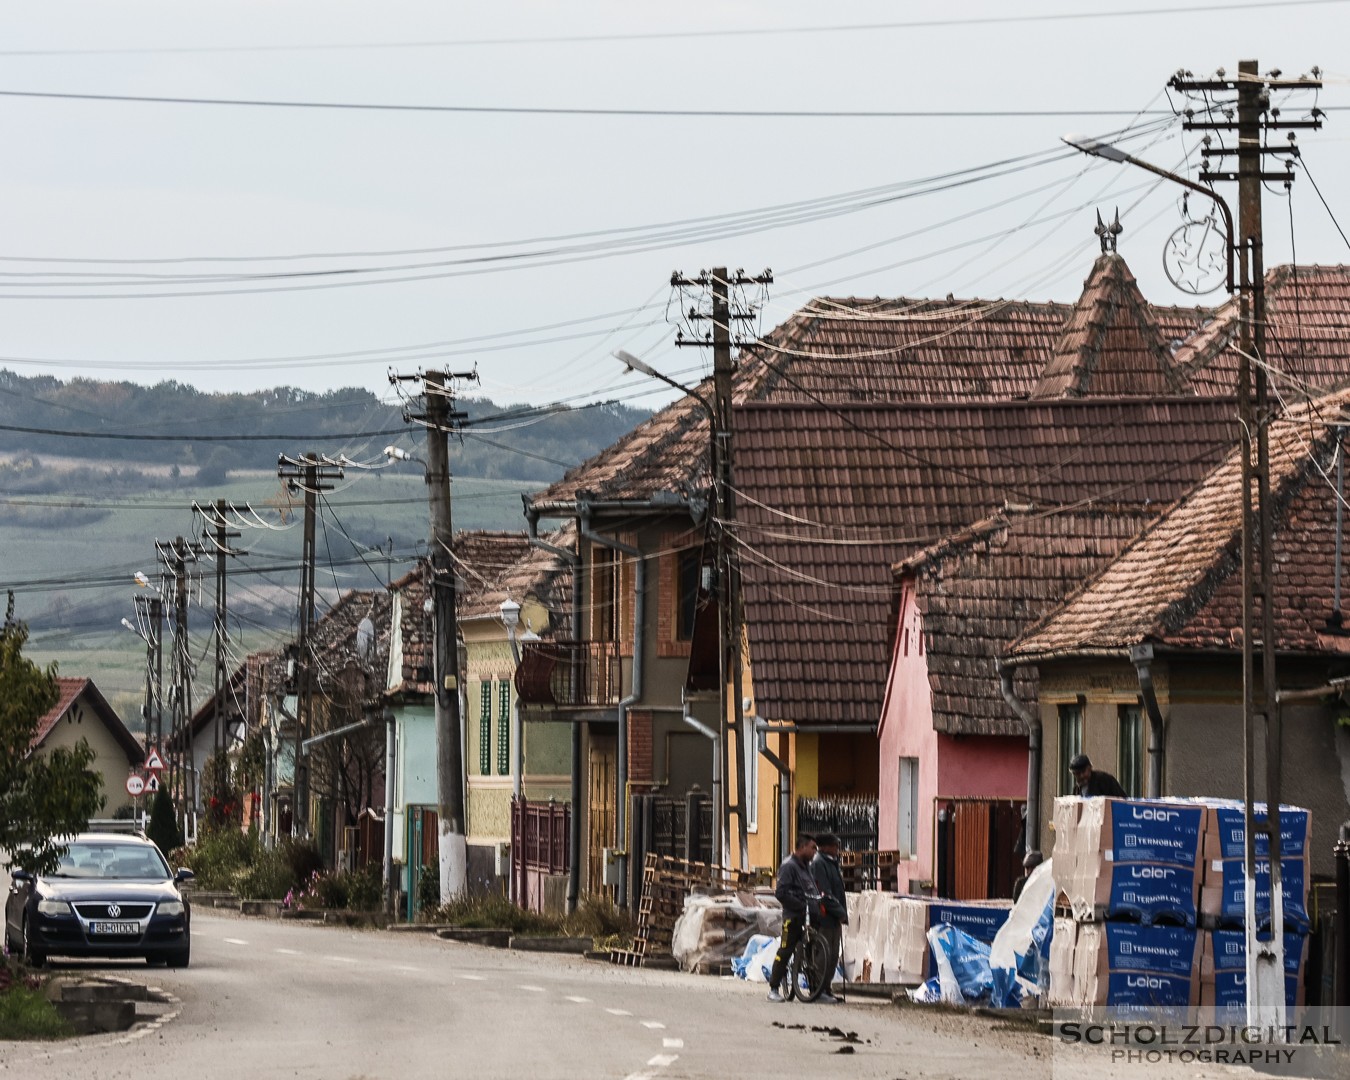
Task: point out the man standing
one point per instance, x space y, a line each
795 885
830 882
1089 782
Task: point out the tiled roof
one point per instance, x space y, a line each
1179 582
831 498
70 689
1112 344
491 566
981 587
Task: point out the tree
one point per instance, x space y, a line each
42 798
163 828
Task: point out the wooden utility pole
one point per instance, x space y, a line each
1265 959
220 537
730 617
182 774
313 475
439 418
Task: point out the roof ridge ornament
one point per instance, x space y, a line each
1107 233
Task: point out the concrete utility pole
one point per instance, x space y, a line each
1265 959
220 537
151 616
440 419
182 774
313 475
730 617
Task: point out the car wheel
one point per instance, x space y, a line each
32 957
180 959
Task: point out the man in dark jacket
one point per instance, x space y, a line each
1089 782
830 882
795 886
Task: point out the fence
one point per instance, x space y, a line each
673 828
540 835
853 818
566 674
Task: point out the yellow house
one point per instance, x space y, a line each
82 712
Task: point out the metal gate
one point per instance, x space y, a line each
977 851
853 818
540 837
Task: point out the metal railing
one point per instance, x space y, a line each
569 674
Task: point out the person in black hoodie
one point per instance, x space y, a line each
795 886
830 882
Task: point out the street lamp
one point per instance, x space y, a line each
1108 151
397 453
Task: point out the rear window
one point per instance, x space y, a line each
92 859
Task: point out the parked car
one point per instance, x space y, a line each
112 895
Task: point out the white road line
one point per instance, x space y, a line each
404 967
655 1025
533 989
673 1044
618 1012
662 1060
235 941
290 952
474 978
340 959
579 1000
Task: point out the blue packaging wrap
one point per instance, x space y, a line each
1230 990
1164 950
1148 990
1156 832
1149 892
1230 818
1229 950
1294 874
982 922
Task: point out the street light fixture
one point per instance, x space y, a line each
397 453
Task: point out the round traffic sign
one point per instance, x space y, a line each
135 784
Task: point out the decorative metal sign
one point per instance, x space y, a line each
1195 257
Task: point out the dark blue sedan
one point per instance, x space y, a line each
111 896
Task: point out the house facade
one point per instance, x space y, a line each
82 712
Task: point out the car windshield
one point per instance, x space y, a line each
94 859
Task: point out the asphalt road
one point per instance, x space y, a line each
267 999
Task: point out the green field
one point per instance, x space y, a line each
73 576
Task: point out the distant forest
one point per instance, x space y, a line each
304 420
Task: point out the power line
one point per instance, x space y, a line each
679 35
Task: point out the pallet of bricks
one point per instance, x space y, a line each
864 870
1152 904
666 881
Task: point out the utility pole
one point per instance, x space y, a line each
312 474
182 773
730 616
220 537
150 614
1255 117
439 418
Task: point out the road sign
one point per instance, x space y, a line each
152 784
135 784
153 762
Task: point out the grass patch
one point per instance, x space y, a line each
26 1014
600 920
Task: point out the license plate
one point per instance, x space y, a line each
115 928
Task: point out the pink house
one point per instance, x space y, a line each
953 752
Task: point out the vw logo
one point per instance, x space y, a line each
113 911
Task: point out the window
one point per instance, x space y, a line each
1070 743
751 799
1130 749
504 727
689 569
485 727
907 841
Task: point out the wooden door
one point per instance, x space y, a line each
604 751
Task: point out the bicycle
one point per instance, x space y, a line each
808 975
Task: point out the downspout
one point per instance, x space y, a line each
1032 720
704 729
1142 658
574 817
390 757
784 789
635 689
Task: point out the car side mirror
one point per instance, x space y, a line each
20 875
183 874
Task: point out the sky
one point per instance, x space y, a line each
118 180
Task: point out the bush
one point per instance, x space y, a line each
429 888
304 860
357 890
164 829
25 1013
269 878
220 858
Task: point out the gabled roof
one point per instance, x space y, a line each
834 497
1179 583
71 689
1112 343
490 567
982 586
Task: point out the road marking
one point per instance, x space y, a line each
618 1012
475 978
533 989
290 952
404 967
579 1000
340 959
662 1060
235 941
673 1044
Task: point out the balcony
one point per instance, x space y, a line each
569 674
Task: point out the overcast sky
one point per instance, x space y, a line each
121 180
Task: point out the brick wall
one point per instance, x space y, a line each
640 748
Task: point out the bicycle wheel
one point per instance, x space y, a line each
814 966
790 985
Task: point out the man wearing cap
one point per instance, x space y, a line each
1089 782
830 881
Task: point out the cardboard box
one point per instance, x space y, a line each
1142 967
1140 830
1144 892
